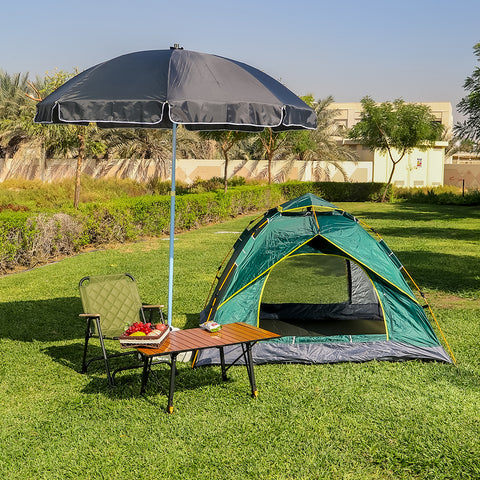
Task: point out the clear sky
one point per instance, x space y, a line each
418 50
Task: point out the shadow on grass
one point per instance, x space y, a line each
128 383
193 320
454 274
69 356
462 378
462 234
49 320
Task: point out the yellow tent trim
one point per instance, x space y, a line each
433 316
263 273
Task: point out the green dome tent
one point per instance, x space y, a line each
310 272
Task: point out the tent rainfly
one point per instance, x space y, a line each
310 272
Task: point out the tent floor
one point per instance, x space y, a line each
322 328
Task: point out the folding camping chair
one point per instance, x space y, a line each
110 302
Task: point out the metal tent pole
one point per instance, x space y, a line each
172 226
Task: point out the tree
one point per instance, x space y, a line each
395 128
15 110
142 143
470 106
321 146
64 138
271 145
456 144
12 97
18 97
226 140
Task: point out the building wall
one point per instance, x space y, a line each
463 175
189 170
349 113
417 169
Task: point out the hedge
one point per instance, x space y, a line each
443 195
27 239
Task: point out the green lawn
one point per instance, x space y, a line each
376 420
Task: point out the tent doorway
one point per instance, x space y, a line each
311 295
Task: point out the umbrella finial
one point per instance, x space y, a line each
176 46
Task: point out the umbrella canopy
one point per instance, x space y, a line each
166 88
158 88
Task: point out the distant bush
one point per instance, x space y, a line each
14 208
443 195
156 186
337 191
159 187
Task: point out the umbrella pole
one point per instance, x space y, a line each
172 226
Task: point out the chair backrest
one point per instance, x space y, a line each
115 298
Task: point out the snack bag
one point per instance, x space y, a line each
211 326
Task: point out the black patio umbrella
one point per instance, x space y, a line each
166 88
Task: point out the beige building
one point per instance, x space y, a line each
417 169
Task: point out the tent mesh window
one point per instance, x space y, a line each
320 295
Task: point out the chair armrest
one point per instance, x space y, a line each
153 306
89 315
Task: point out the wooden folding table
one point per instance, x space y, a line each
198 339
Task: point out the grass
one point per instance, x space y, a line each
376 420
37 195
319 279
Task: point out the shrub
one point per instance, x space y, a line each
108 222
156 186
443 195
27 240
14 208
51 235
336 191
13 231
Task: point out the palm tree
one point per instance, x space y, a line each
15 109
151 144
191 145
12 96
226 140
456 144
321 148
271 146
18 97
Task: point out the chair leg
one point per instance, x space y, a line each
111 380
147 362
87 337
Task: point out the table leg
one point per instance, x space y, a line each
249 365
222 362
173 369
145 373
